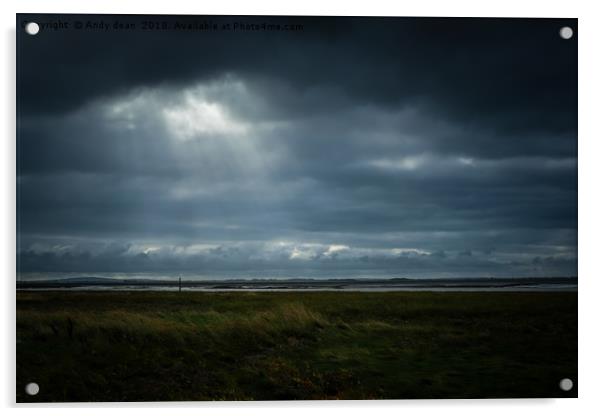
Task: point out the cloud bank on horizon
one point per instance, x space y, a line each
419 147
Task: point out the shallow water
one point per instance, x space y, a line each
350 288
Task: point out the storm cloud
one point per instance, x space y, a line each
332 146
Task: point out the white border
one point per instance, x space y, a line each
590 207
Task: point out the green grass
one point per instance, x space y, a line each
149 346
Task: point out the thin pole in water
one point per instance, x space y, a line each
180 284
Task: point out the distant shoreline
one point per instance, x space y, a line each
394 284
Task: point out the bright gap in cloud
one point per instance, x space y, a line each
196 116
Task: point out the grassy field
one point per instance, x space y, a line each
149 346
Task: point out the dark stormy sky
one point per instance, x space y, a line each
403 147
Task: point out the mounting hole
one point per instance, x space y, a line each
32 389
566 32
32 28
566 384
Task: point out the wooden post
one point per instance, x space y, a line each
180 284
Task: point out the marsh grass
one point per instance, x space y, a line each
244 346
